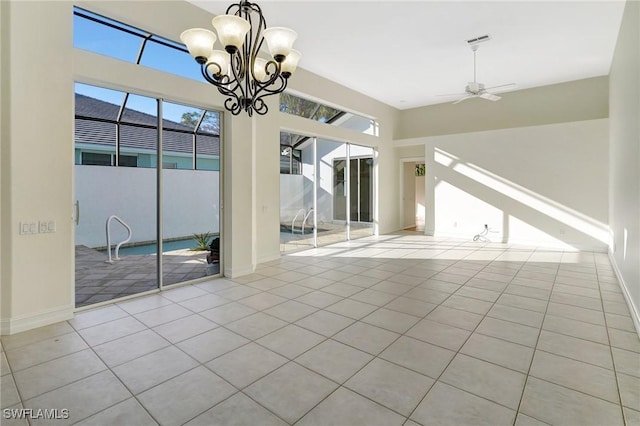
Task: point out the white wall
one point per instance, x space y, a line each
624 167
191 203
291 196
543 185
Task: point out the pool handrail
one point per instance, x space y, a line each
108 226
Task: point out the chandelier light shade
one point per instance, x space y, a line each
237 71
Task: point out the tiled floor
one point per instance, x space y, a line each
400 329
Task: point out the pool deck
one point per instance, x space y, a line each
99 281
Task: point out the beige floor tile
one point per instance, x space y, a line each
590 379
152 369
516 333
53 374
627 362
290 311
184 328
397 288
427 295
629 391
419 356
36 335
342 289
256 325
206 346
145 303
4 365
523 420
486 380
621 322
270 283
352 308
130 347
468 304
526 291
446 405
579 329
325 323
632 417
576 313
228 313
334 360
15 419
410 306
366 337
454 317
522 302
202 303
440 286
576 300
290 391
238 292
439 334
8 392
578 349
555 404
44 350
373 297
291 291
262 301
478 293
97 316
245 365
315 282
348 408
82 398
126 412
111 330
517 315
291 341
619 339
391 320
319 299
162 315
199 390
390 385
238 410
506 354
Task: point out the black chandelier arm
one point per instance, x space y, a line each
269 89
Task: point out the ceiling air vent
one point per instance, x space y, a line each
478 39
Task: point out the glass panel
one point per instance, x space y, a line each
129 193
174 60
90 34
191 198
361 191
306 108
96 102
140 142
208 142
140 110
296 197
332 191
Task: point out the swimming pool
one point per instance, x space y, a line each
151 248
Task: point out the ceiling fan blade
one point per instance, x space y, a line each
490 97
453 94
465 98
501 87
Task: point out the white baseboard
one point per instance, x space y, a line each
269 257
28 322
635 315
238 272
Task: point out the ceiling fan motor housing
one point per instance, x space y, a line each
474 87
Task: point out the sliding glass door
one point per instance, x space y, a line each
129 177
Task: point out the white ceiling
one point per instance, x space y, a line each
406 53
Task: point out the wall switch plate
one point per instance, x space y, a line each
42 226
51 226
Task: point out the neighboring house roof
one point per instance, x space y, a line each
104 133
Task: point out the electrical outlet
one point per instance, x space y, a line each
28 228
42 226
51 226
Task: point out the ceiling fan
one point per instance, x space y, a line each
474 89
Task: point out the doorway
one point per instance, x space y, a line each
413 195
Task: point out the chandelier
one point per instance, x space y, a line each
237 71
